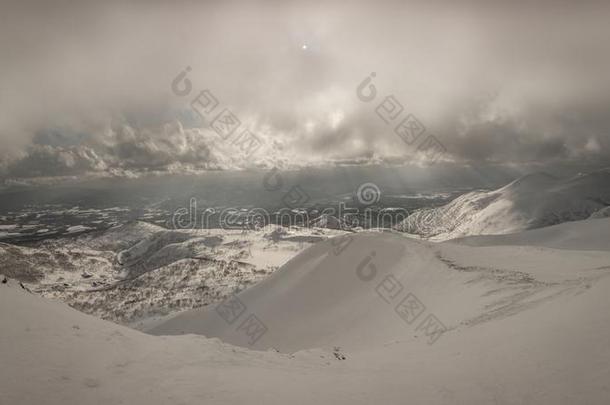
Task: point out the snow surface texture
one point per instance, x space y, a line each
523 324
138 271
602 213
533 201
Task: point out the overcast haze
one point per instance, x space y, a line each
87 88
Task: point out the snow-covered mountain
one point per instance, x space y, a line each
344 291
532 201
137 271
356 314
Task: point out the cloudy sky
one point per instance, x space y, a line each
88 88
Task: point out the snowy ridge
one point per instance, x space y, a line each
532 201
542 308
317 299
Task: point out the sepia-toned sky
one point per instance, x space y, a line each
86 88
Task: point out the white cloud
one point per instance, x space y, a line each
493 82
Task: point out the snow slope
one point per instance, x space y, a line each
52 354
137 271
602 213
322 298
524 324
589 234
533 201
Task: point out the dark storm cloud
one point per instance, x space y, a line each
86 87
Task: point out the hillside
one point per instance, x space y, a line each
319 298
589 234
520 324
137 271
533 201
